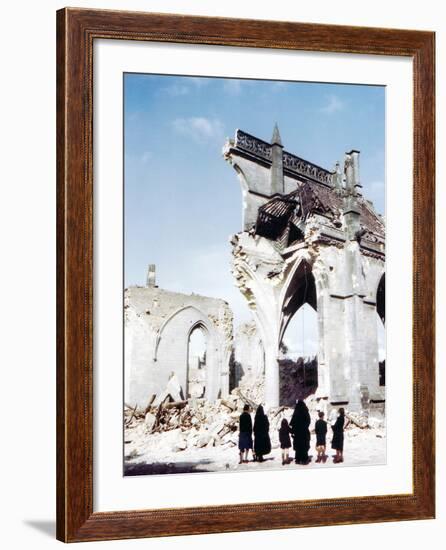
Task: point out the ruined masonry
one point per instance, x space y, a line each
309 236
248 357
158 325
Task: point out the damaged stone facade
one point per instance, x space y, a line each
309 236
248 357
158 324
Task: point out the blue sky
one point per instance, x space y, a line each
183 201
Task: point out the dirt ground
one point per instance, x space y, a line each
145 455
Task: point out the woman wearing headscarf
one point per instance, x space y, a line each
299 424
337 443
262 442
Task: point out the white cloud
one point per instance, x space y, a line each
176 89
301 335
278 85
132 160
198 81
146 156
184 87
333 105
200 129
232 87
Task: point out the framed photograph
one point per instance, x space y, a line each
245 275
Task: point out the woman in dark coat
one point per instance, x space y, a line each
337 442
262 442
245 437
299 424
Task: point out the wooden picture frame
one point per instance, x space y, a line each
76 31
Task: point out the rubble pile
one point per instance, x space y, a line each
169 425
251 388
297 379
194 423
367 419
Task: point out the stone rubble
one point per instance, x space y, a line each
174 426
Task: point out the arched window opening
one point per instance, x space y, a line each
196 367
299 344
381 322
381 350
301 335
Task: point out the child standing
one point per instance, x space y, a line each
321 432
285 441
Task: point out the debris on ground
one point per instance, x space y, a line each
169 423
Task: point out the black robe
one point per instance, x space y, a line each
262 442
284 437
245 436
245 422
321 431
300 423
338 434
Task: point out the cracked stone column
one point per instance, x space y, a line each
254 259
354 291
270 338
323 300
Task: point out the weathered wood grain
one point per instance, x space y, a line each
76 31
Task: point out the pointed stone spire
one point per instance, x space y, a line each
351 211
337 176
352 172
276 140
277 183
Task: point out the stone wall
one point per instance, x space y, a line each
158 324
248 358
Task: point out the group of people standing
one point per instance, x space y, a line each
298 429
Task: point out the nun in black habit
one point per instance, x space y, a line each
300 423
337 442
262 442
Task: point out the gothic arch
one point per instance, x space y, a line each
300 289
298 374
203 319
196 374
172 348
256 294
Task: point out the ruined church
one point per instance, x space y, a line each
310 236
